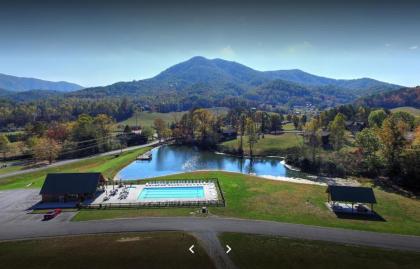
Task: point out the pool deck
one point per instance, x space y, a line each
131 193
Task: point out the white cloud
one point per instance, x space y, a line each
414 47
228 52
387 45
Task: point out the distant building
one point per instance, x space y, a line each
355 126
228 134
64 187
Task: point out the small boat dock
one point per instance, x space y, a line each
145 157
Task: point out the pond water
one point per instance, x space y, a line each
171 159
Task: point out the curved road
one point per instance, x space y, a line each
63 162
209 224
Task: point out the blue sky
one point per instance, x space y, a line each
101 42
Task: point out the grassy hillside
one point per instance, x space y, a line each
412 110
257 251
269 146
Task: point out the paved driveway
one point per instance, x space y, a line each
15 208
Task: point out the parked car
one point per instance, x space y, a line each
52 214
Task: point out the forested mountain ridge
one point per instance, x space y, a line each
392 99
221 76
285 92
359 86
19 84
198 82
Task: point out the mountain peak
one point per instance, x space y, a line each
198 58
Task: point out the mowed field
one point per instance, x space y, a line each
146 119
133 250
414 111
257 251
270 145
251 197
107 165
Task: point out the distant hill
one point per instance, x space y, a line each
413 111
200 81
399 98
290 93
19 84
361 86
27 96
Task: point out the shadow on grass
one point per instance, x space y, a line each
387 185
357 216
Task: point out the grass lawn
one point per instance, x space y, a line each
89 214
412 110
11 168
257 251
289 127
132 250
108 165
147 118
269 145
251 197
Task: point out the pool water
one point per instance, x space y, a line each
196 192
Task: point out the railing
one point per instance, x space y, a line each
193 203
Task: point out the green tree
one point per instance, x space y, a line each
127 129
4 145
251 131
337 130
147 132
159 125
265 120
204 125
275 123
312 135
376 118
295 120
393 141
405 117
368 142
166 134
241 128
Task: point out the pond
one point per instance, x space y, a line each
171 159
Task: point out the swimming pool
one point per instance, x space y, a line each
157 193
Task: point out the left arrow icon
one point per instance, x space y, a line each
191 249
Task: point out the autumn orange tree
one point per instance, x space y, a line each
46 149
393 141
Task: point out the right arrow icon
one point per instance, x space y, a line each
228 249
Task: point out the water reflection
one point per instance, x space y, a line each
177 159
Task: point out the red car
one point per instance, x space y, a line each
52 214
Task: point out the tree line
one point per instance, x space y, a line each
388 145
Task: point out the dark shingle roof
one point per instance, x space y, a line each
352 194
71 183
